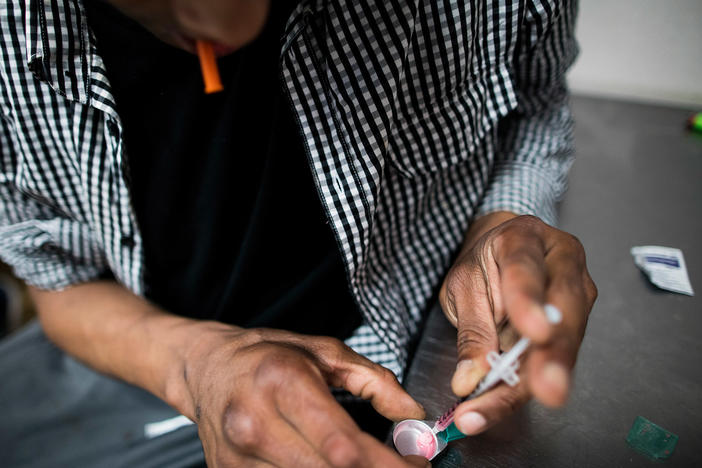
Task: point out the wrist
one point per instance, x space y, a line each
195 341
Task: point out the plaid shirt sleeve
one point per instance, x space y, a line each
46 249
536 140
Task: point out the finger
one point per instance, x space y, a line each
386 457
284 447
523 278
549 367
570 284
344 368
549 370
311 410
252 462
468 294
258 432
219 453
381 388
477 415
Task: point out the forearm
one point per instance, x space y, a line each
120 334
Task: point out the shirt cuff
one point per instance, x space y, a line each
524 189
51 254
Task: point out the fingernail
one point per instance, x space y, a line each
464 366
555 375
553 314
471 423
465 378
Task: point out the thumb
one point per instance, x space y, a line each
476 337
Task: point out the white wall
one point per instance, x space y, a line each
648 50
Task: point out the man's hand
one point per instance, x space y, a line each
509 268
261 398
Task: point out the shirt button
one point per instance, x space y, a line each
128 242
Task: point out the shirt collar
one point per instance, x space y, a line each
59 46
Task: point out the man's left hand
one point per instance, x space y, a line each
509 268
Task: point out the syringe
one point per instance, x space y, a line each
414 437
503 367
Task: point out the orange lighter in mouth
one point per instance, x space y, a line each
208 65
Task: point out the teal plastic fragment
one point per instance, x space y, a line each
450 434
651 439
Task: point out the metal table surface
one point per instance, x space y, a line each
637 181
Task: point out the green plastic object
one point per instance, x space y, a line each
651 439
451 433
695 123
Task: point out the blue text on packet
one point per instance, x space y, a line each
670 261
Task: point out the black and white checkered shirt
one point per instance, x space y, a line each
416 117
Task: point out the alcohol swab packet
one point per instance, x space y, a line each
664 266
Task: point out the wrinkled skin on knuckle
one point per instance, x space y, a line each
472 335
519 234
517 228
529 221
386 375
275 369
330 349
253 336
326 355
519 241
508 244
576 248
242 429
457 282
590 289
576 262
457 279
501 239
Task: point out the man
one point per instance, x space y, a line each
160 229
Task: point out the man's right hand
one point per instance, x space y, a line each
261 398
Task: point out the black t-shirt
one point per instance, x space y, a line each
231 222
